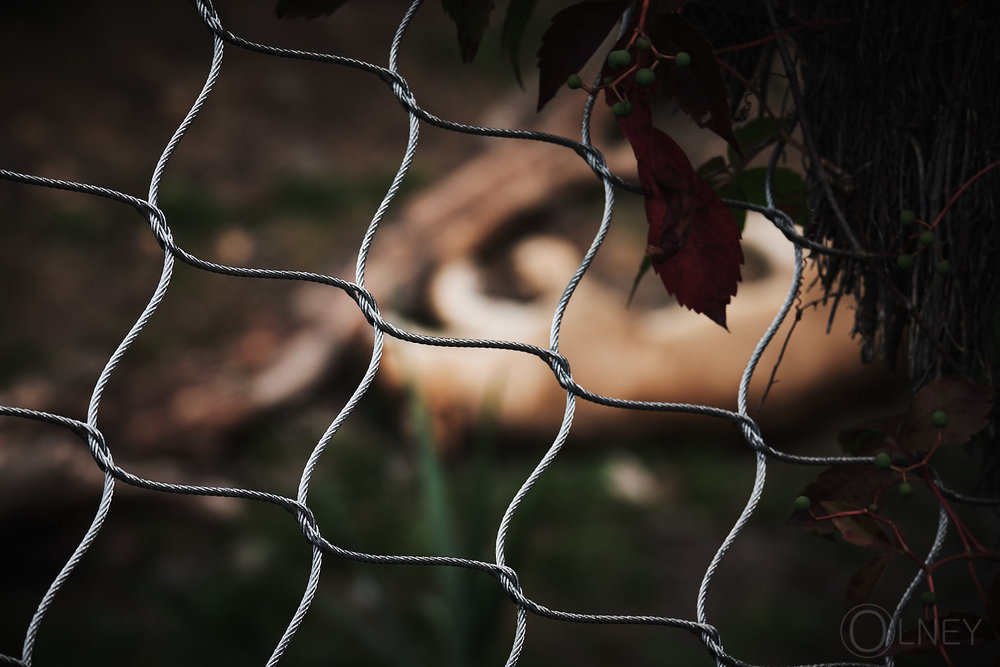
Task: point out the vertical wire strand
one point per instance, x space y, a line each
163 283
298 507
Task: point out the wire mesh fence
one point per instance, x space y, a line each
298 507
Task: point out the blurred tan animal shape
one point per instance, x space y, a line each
427 253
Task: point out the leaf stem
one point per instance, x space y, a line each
962 189
764 40
968 539
938 564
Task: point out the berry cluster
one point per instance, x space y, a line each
924 239
883 461
641 66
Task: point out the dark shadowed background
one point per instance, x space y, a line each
283 169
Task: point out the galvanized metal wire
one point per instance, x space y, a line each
100 448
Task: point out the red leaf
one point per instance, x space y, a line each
805 521
967 405
870 437
857 529
847 488
471 18
693 240
857 484
864 580
698 87
705 271
570 41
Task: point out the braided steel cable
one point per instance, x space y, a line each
507 577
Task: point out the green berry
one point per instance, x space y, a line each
939 418
621 108
942 268
927 238
643 43
905 261
882 460
904 489
906 217
645 77
608 80
574 81
619 59
802 504
928 598
682 59
873 508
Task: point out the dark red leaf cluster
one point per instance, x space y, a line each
855 484
571 40
693 242
966 404
845 498
698 88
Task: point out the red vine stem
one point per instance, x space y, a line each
902 548
962 189
764 40
641 24
926 460
963 530
968 540
941 646
933 609
777 121
938 564
763 104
